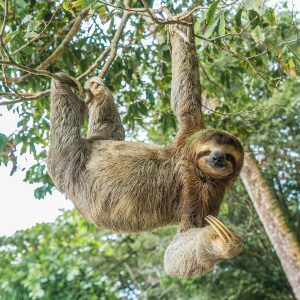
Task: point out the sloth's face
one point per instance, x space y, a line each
219 156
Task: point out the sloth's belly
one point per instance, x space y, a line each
134 215
130 187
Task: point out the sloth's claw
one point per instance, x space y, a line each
93 88
223 232
227 232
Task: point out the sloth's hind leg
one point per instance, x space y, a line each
104 119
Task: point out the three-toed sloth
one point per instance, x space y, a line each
132 186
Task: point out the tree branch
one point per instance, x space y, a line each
57 52
175 20
115 41
3 30
38 36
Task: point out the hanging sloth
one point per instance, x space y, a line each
131 186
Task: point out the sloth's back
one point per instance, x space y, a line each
131 186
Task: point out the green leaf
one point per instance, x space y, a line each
84 4
269 16
102 11
238 18
258 34
26 19
224 208
32 34
67 5
210 28
222 25
11 36
33 25
211 12
254 18
253 4
3 142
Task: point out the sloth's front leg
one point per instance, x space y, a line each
194 252
226 244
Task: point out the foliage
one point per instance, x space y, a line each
71 259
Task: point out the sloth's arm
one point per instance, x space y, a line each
186 89
196 251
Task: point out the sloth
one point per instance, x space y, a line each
133 186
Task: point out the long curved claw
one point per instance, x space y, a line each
91 86
220 233
221 224
220 228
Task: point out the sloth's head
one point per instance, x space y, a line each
217 153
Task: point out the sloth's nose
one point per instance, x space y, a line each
218 157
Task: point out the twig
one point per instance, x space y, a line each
58 51
24 98
95 64
38 36
200 7
136 11
229 50
3 30
132 10
160 21
115 41
29 70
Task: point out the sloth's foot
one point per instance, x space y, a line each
94 87
226 244
184 16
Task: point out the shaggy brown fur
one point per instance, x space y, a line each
128 186
131 186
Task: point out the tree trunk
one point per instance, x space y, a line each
274 221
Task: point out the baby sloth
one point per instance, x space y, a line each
132 186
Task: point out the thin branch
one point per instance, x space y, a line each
95 64
132 10
160 21
24 97
58 51
3 30
112 49
230 51
201 7
115 41
39 35
29 70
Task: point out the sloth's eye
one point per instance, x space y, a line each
231 158
203 153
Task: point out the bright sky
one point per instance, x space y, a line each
18 207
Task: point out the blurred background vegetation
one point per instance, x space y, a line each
249 55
